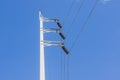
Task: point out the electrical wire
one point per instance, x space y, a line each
74 19
84 24
58 64
64 68
68 12
61 65
68 63
67 66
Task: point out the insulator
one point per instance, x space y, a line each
65 50
59 25
62 36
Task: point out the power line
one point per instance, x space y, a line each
71 25
68 12
58 65
68 63
64 68
84 24
61 64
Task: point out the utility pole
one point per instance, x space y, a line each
42 60
44 43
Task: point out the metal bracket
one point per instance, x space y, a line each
55 43
59 31
52 43
50 19
51 30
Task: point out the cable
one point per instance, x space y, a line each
68 62
58 64
71 25
67 66
62 65
68 12
84 24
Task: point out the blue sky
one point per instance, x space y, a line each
96 55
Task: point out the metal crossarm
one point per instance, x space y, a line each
50 20
52 43
50 30
48 44
54 30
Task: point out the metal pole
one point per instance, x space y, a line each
42 60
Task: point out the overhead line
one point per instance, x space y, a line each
74 19
84 24
61 65
68 12
65 66
68 70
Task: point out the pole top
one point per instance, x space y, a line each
40 14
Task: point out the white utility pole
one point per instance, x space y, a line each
42 60
44 43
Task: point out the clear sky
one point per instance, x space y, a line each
96 55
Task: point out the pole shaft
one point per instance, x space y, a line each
42 60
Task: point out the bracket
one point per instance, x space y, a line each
52 43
